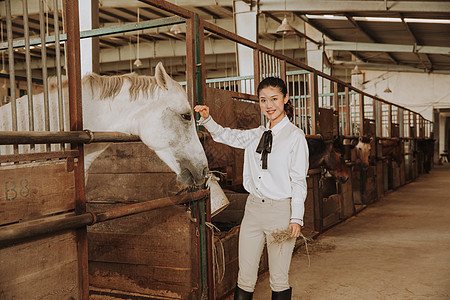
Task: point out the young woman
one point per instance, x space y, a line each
275 168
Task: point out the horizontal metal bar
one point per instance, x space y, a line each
237 78
335 6
28 229
101 31
132 209
378 47
56 137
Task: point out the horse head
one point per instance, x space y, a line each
335 161
363 147
393 148
329 154
167 125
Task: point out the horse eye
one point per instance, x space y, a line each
186 116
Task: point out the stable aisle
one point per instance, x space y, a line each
397 248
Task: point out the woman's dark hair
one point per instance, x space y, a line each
279 83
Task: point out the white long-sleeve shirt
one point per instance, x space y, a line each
287 163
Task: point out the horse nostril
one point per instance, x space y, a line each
205 172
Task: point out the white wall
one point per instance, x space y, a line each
246 26
418 92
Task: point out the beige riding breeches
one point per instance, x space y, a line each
261 218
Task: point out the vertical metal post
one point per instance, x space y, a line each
199 90
335 97
44 68
389 120
347 112
283 70
200 81
190 61
76 124
12 74
28 66
361 114
299 99
58 66
256 68
377 117
314 103
401 122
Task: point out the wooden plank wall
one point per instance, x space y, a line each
151 254
26 193
44 267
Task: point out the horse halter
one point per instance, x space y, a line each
265 146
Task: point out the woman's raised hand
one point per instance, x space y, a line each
203 110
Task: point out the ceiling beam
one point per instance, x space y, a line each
384 67
369 35
417 42
114 16
209 12
324 31
378 47
331 6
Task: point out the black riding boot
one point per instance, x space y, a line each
283 295
240 294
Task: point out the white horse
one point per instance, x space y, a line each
154 108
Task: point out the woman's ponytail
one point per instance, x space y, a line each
289 109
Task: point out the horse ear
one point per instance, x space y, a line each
162 78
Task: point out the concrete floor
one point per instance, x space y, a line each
397 248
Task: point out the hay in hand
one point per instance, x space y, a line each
280 236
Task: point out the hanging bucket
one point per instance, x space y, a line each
219 200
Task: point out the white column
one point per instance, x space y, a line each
314 55
85 15
246 26
442 132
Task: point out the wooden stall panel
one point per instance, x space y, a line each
348 208
329 123
37 189
44 268
130 172
331 210
380 179
313 215
152 253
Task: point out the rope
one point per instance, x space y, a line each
216 267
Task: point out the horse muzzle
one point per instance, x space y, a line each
193 176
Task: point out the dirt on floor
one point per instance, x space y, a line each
397 248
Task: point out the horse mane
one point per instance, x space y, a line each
110 86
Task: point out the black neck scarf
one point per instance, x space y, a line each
265 146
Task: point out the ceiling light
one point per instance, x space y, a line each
175 29
356 71
387 90
285 27
137 63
